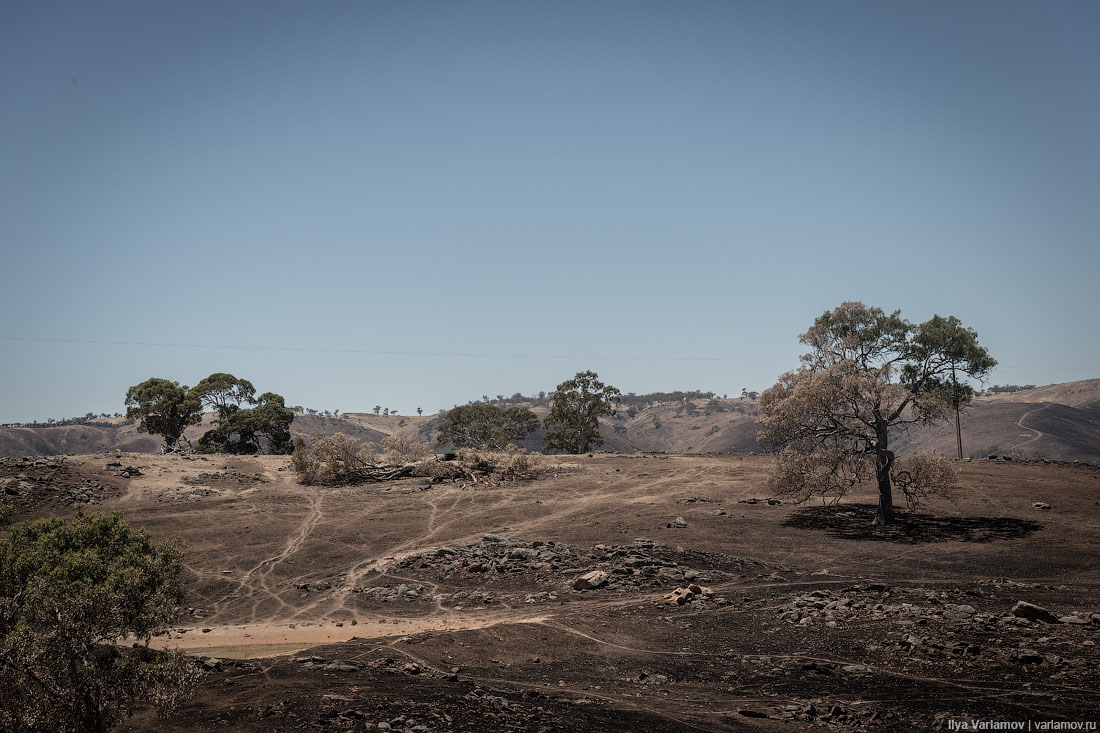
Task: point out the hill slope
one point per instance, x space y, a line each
1058 421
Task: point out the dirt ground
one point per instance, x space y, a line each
419 606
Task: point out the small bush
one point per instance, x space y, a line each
438 469
512 462
404 447
923 475
332 460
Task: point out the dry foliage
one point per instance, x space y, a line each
829 474
925 474
404 446
832 473
511 463
337 459
340 459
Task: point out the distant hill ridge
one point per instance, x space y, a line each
1056 421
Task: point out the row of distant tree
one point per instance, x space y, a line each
378 410
90 418
1008 388
629 399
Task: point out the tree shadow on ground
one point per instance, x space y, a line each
855 522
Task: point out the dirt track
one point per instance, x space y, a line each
397 626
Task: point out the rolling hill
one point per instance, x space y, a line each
1058 421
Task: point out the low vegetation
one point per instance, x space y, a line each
404 446
335 460
70 590
510 463
341 460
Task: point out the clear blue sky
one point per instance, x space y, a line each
576 180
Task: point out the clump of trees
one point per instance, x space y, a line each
486 426
1008 388
70 590
573 423
243 422
867 374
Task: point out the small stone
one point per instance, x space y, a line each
590 580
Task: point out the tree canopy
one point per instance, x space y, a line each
483 425
164 408
224 393
573 424
70 591
245 429
867 372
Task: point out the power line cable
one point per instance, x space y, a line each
471 355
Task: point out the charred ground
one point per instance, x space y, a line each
456 606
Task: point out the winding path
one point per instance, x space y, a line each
1020 424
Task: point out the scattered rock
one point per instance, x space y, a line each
590 581
1030 611
682 596
958 613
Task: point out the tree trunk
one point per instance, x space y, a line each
958 422
884 461
885 513
94 719
958 431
